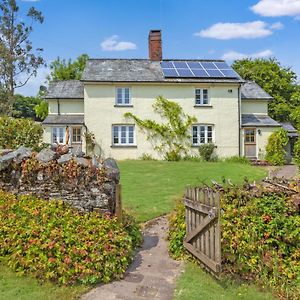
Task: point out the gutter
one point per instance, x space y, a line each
239 112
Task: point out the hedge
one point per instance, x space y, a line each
20 132
260 240
52 241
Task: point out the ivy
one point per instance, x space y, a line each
275 150
172 138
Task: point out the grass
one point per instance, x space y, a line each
17 287
149 188
195 284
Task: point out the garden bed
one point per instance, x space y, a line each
260 235
54 242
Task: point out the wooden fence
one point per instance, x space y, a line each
203 232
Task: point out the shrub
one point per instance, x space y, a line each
55 242
237 159
146 156
206 151
275 150
176 232
260 239
297 152
19 132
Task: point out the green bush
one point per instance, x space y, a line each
19 132
146 156
237 159
297 152
55 242
206 151
176 232
260 239
275 150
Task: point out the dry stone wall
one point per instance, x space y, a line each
88 184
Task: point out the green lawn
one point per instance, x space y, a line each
149 188
14 287
195 284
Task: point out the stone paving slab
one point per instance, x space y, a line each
152 274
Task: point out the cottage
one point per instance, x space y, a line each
231 113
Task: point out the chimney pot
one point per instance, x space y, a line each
155 45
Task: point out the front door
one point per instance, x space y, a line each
76 139
250 143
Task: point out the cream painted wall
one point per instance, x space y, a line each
261 140
47 136
254 107
100 114
67 106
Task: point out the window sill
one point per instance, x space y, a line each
203 105
123 105
197 146
123 146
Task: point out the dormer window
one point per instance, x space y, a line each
201 97
123 96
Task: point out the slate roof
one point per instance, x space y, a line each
136 70
254 120
292 131
251 90
64 119
65 89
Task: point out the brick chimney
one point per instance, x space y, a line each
155 45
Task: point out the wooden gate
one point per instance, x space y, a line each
203 233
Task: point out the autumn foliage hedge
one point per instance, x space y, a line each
20 132
260 239
55 242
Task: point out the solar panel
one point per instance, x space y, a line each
180 65
229 73
197 69
221 65
194 65
214 73
170 72
200 73
166 64
185 73
208 65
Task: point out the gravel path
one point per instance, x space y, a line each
288 172
152 274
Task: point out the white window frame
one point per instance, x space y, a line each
120 142
205 136
57 129
122 101
200 91
72 140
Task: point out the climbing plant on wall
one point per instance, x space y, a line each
171 138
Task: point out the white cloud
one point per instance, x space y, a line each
33 85
277 26
233 55
227 31
277 8
113 44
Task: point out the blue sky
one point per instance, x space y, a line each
191 29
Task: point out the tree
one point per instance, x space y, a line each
173 137
18 60
62 69
278 81
24 107
41 110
